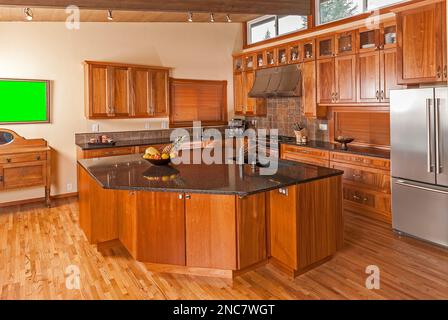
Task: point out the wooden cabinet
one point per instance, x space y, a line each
243 104
325 47
346 43
305 155
336 80
25 163
367 184
310 107
125 91
388 73
421 56
369 77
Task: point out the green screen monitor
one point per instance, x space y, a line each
24 101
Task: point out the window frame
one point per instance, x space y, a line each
266 18
365 6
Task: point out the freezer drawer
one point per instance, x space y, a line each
420 210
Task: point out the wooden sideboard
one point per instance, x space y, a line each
24 163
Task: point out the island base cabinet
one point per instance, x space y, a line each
306 224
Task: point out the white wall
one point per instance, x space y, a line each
50 51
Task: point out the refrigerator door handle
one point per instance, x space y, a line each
409 185
428 135
437 133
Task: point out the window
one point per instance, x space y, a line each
332 10
268 27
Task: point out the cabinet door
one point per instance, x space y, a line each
369 77
345 79
325 47
99 104
141 94
325 81
119 90
250 103
24 175
388 71
309 89
211 231
238 93
420 45
159 93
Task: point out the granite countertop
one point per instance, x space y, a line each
125 143
134 173
364 151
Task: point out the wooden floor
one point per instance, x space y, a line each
37 244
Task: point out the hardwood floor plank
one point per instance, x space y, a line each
37 244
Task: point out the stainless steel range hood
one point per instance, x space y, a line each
277 82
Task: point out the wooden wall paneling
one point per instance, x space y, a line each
251 222
369 77
345 79
211 235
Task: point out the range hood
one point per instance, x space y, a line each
277 82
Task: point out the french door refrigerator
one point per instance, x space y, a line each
419 155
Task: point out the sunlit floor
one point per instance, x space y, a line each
40 249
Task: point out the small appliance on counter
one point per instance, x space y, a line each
237 127
101 140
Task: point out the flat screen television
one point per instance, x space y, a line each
24 101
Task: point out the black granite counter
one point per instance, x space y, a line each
363 151
134 173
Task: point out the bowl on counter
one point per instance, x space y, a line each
344 141
159 162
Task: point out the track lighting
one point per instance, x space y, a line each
228 18
190 16
28 14
212 17
110 16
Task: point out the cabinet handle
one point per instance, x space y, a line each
1 178
38 158
187 197
377 95
181 197
439 72
356 198
357 176
8 160
382 94
283 191
445 71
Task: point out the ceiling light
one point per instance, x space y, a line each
212 17
190 16
228 18
110 16
28 14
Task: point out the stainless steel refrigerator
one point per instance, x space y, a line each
419 142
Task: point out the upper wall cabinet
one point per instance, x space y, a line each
421 55
125 91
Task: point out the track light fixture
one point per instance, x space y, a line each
212 17
228 18
110 16
28 14
190 16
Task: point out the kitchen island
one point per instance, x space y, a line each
216 220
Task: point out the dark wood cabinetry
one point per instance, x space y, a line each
421 55
125 91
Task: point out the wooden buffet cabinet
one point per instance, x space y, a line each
114 90
24 163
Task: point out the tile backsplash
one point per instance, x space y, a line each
284 112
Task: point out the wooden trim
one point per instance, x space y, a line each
48 85
314 28
124 65
35 200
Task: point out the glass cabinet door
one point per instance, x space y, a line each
345 43
261 62
270 57
388 35
249 63
308 50
282 56
325 47
293 53
238 64
368 40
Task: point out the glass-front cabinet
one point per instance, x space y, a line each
307 49
237 63
345 43
368 39
282 56
249 62
260 60
293 53
389 35
325 47
270 57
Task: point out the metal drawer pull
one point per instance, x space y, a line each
357 176
38 158
181 197
8 160
187 197
283 191
404 184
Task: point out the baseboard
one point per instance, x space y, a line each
35 200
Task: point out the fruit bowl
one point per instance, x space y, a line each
344 141
159 162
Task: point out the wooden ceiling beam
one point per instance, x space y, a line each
259 7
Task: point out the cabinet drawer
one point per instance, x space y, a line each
364 201
23 157
377 180
305 159
308 152
109 152
24 175
378 163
